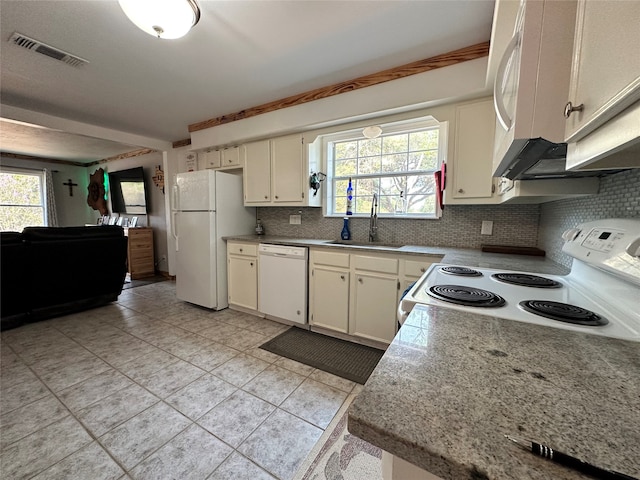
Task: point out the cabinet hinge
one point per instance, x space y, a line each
398 284
312 273
302 194
493 188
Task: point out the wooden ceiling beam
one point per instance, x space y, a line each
439 61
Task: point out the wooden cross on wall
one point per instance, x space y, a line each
70 184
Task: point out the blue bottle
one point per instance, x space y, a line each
346 233
349 198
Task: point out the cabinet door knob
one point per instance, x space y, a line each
265 197
341 277
251 264
360 280
423 269
240 250
569 109
276 196
460 190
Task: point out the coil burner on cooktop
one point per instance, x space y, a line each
564 312
468 296
461 271
526 280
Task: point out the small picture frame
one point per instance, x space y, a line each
100 220
133 222
112 220
119 221
105 219
125 221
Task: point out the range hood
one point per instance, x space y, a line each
537 158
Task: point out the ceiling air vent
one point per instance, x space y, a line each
31 44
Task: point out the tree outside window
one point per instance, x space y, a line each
398 167
21 200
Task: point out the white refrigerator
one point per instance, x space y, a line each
207 206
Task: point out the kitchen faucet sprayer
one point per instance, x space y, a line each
373 220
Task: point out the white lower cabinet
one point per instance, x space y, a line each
374 306
357 294
242 273
329 294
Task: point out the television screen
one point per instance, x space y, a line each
128 192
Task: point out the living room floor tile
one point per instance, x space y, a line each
66 375
172 378
239 467
244 340
30 418
202 395
236 417
315 402
239 370
212 356
90 462
146 365
93 389
192 455
281 443
274 384
42 449
111 411
139 437
19 394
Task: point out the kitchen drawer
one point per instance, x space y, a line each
249 249
334 259
415 268
375 264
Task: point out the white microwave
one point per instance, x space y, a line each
532 87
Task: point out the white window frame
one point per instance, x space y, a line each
43 186
405 126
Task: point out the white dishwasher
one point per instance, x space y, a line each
282 282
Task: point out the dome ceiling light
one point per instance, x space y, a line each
167 19
372 131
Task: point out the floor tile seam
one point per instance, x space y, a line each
209 410
176 391
262 423
210 476
67 456
189 425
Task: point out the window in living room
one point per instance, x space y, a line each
22 199
397 166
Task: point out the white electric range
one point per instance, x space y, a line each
601 294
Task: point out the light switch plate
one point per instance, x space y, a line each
295 219
487 227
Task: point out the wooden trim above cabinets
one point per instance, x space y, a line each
181 143
444 60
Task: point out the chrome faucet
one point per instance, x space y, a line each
373 220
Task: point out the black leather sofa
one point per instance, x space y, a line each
51 271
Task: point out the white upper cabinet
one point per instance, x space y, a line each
230 156
469 175
276 173
604 131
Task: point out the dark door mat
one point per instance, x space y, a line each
348 360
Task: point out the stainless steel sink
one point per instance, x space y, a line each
363 244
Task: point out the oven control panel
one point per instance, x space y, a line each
611 244
602 239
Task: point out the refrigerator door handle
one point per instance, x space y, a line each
174 232
176 197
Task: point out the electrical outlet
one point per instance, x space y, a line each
295 219
487 227
163 258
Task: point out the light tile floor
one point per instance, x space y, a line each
151 387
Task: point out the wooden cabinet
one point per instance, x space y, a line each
230 157
329 290
605 85
242 275
469 172
140 258
277 171
605 78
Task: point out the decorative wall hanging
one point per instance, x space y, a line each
70 184
96 197
158 178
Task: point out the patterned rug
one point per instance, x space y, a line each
338 455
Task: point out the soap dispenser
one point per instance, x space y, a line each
259 227
346 233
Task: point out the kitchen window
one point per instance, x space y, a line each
22 199
398 166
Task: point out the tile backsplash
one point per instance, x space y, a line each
619 197
459 226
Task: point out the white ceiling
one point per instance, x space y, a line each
241 54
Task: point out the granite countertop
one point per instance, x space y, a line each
453 383
455 256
